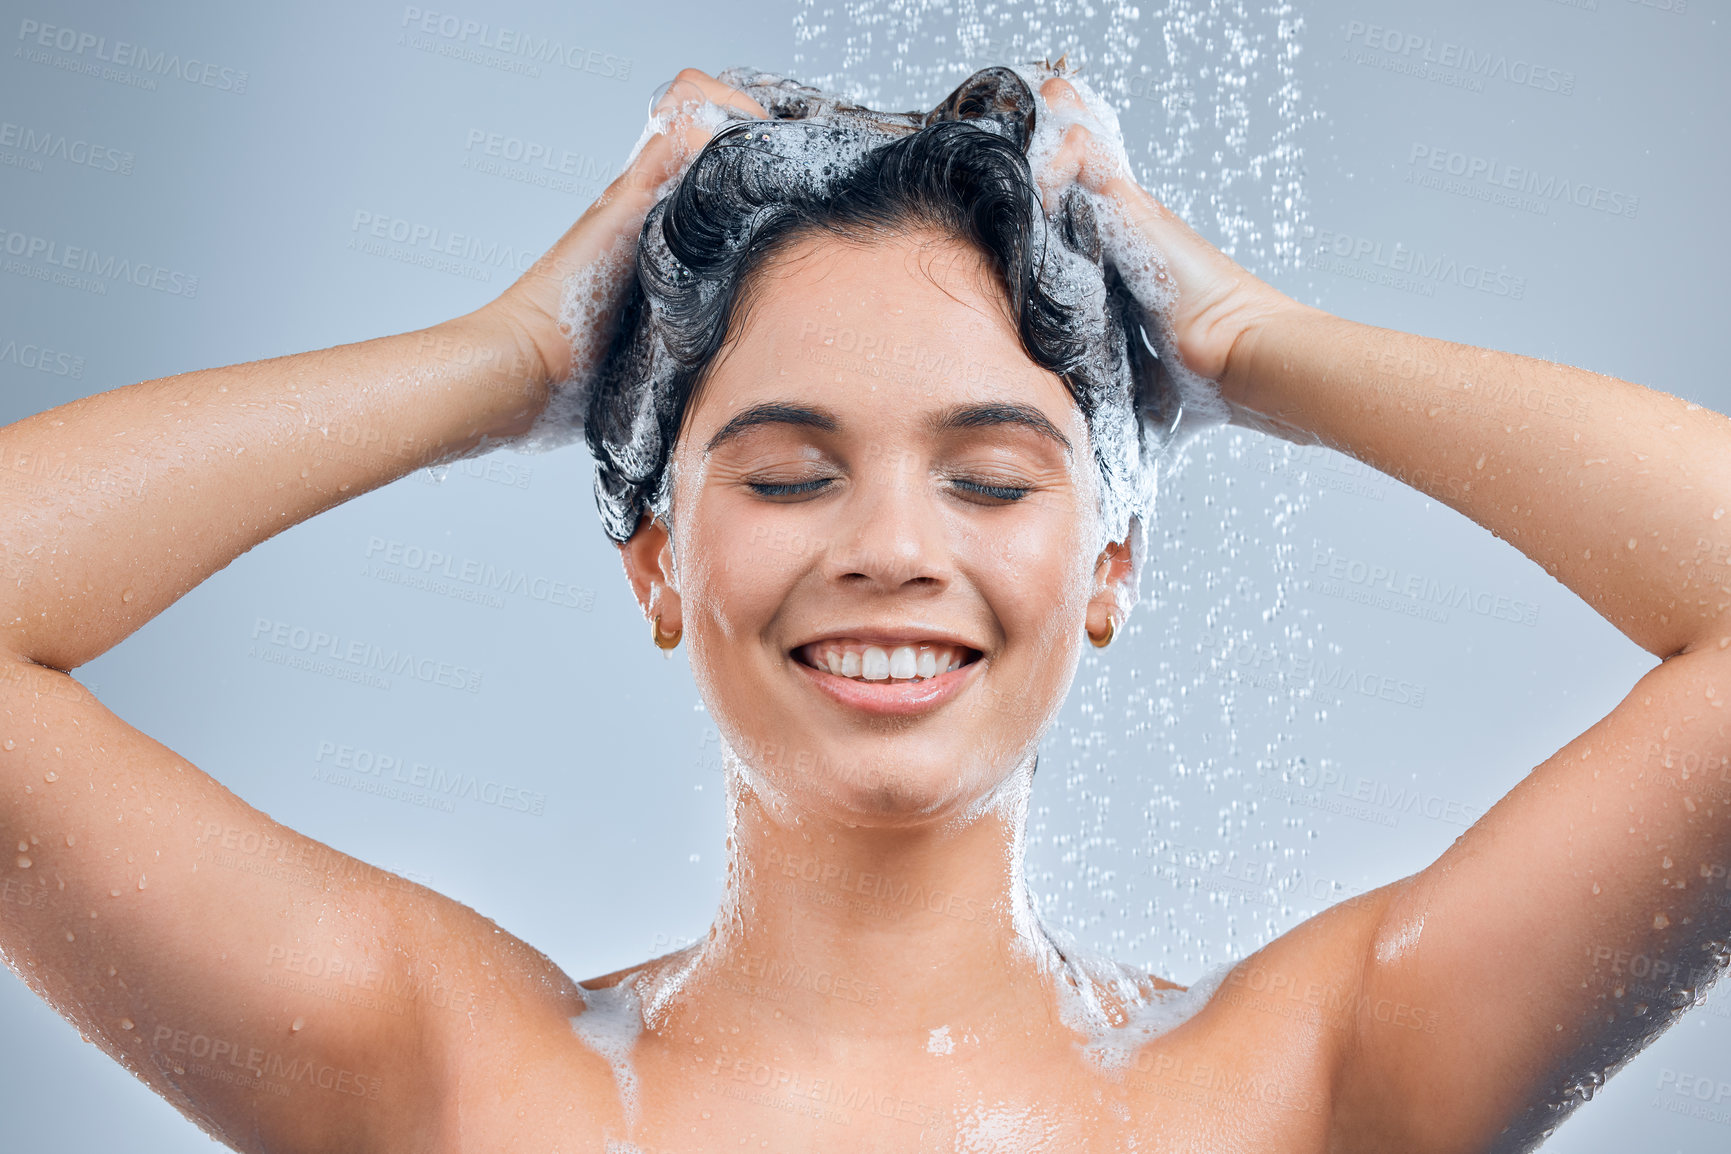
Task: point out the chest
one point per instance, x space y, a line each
1233 1087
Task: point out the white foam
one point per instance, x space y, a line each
1150 1015
1143 267
610 1024
1050 124
1085 982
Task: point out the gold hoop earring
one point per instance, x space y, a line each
662 641
1111 631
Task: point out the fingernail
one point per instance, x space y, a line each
655 97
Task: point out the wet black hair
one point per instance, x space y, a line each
822 167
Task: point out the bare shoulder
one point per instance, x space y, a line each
501 1016
279 992
1316 963
1312 974
1261 1044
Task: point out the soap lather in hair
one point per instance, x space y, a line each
820 164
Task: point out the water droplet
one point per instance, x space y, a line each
70 840
1660 921
113 893
1595 887
140 881
1666 863
70 936
126 595
1632 542
51 777
23 845
10 743
297 1024
126 1023
23 862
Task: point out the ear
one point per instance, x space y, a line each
1113 573
648 559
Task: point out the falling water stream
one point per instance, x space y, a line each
1151 838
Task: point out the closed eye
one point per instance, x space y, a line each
1005 493
996 492
787 489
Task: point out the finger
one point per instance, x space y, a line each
683 133
675 134
1060 93
695 85
1070 163
1063 169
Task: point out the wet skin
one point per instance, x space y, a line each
826 1011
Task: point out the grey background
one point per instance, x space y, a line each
1157 833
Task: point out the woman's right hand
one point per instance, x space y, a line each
601 245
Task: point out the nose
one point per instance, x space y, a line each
891 534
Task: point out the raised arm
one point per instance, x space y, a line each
1555 936
281 994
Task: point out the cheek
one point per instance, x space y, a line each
738 577
1043 573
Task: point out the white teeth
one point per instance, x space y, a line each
857 660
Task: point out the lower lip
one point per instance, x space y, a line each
891 698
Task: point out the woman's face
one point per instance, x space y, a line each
884 534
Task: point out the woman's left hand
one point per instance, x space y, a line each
1214 301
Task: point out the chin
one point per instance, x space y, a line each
868 781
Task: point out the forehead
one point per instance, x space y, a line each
889 332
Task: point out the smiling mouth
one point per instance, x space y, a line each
864 661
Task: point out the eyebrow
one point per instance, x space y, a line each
772 413
999 413
956 417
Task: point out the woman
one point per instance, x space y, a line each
884 579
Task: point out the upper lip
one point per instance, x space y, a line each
889 638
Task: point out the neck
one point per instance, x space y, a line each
879 932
